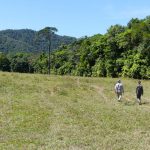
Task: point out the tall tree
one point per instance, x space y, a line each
47 32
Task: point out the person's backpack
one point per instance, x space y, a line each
119 88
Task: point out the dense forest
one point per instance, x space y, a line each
124 51
26 40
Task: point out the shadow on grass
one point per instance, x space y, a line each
145 103
132 103
129 103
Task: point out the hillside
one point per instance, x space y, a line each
25 40
55 112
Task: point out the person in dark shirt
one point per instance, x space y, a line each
139 92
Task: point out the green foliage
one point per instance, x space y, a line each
41 64
47 32
122 51
99 70
25 40
65 69
20 63
4 63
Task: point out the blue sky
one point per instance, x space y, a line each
71 17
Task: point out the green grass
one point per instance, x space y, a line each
73 113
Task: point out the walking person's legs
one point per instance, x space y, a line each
119 96
139 99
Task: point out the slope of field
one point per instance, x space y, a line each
53 112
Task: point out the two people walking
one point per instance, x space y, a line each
119 90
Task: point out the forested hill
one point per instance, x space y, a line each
26 40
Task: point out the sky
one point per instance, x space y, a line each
75 18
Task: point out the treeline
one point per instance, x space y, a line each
124 51
24 63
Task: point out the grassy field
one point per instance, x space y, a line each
40 112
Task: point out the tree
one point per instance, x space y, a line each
40 64
4 63
47 32
20 63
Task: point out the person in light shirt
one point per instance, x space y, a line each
119 89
